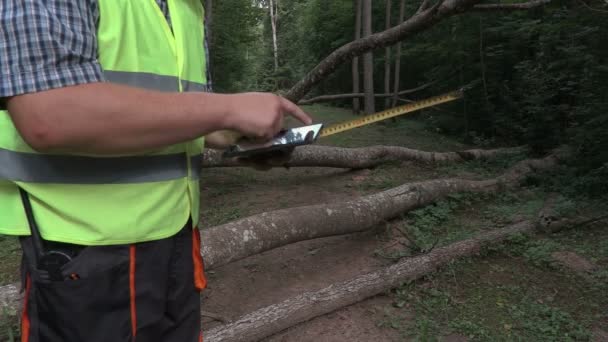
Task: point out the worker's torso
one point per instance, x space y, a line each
122 199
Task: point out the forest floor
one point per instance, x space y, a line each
542 288
516 292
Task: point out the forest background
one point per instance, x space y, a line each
540 74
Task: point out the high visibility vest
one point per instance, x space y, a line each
94 200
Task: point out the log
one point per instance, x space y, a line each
277 317
255 234
258 233
332 97
510 7
361 158
10 300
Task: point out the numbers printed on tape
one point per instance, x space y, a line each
390 113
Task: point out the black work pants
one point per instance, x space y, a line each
147 292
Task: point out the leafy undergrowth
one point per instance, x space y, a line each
10 257
514 292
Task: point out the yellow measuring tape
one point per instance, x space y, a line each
390 113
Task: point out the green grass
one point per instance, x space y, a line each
483 168
9 330
10 256
486 301
217 217
511 206
405 132
461 216
513 292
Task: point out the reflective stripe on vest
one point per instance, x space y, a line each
153 81
194 86
62 169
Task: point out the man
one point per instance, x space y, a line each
103 111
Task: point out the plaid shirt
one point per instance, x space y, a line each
46 44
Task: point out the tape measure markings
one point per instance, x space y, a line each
389 113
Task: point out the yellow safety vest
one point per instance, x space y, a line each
93 200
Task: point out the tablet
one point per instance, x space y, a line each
286 139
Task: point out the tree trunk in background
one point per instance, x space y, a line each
398 58
405 30
368 60
464 109
275 46
208 21
331 97
387 57
482 65
355 64
209 34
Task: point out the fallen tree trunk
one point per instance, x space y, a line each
332 97
237 240
10 300
277 317
255 234
361 158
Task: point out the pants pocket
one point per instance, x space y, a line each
91 308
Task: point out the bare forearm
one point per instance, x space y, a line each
104 118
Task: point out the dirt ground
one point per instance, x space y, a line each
276 275
279 274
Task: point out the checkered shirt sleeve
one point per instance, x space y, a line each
46 44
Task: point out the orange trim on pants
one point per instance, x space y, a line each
132 290
200 282
25 318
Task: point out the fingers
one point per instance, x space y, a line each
278 125
295 111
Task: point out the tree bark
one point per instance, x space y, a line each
363 157
415 24
398 58
387 55
273 22
255 234
368 61
209 21
510 7
355 64
277 317
10 299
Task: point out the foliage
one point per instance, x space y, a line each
235 45
487 302
10 254
8 327
540 74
